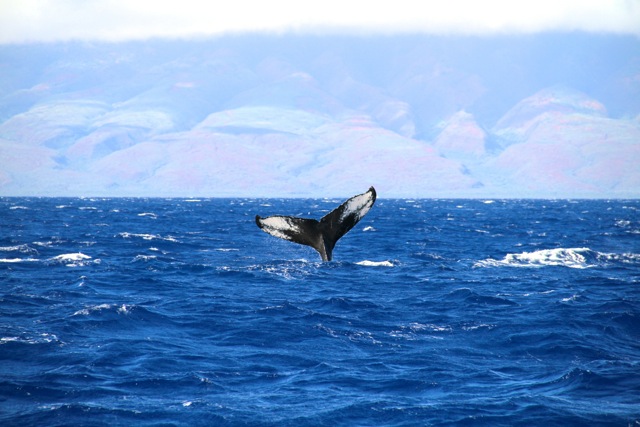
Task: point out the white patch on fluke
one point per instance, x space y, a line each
357 205
277 225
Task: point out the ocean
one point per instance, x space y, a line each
181 312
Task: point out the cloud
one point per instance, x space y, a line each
117 20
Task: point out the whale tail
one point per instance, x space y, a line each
321 235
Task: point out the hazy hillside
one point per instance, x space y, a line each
554 115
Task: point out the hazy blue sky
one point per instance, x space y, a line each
114 20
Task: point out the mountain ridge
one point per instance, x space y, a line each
314 117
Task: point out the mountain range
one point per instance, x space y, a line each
541 115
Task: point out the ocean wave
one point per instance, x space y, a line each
148 214
16 260
353 335
118 308
562 257
367 263
24 249
43 338
144 258
415 330
44 244
145 236
290 270
77 259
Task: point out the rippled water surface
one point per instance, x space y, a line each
434 312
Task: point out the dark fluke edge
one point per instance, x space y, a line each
320 235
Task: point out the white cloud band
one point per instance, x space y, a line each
115 20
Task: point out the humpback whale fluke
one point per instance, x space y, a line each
320 235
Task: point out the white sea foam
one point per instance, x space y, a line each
77 259
120 309
572 257
367 263
144 258
42 338
563 257
16 260
415 330
79 256
149 214
368 228
86 311
569 299
25 249
144 236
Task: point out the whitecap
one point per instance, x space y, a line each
564 257
479 326
149 214
368 228
86 311
18 207
42 338
79 256
145 236
25 249
120 309
144 258
367 263
16 260
77 259
569 299
416 330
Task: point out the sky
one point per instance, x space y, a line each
27 21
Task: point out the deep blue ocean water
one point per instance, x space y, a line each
154 312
